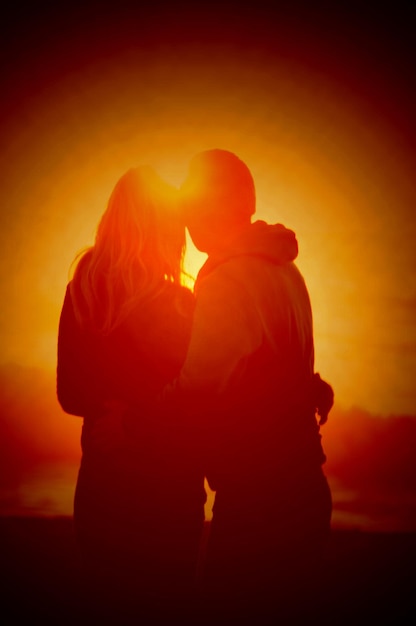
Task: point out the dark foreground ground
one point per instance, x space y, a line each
372 578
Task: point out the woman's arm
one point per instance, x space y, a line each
77 389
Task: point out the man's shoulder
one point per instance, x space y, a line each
222 271
229 263
237 278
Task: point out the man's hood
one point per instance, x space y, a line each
272 242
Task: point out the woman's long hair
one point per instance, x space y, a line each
139 245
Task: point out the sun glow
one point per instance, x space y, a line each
325 163
322 113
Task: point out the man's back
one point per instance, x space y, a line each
250 385
261 413
264 455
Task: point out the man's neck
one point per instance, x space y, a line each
225 242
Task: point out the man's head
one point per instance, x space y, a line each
218 198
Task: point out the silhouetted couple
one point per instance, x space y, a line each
177 386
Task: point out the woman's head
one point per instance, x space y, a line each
141 225
139 245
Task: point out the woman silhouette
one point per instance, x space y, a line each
123 335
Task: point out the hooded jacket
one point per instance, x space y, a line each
250 361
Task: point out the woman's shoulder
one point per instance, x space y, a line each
177 296
185 298
171 306
160 327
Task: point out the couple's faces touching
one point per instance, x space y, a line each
216 198
197 202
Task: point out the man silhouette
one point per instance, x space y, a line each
248 382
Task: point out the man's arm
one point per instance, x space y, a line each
323 397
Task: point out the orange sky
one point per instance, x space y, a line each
321 109
328 150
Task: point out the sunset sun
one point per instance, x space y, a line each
319 105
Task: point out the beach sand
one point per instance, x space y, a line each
371 578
